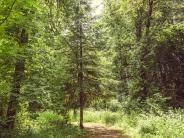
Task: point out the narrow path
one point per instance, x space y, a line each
100 131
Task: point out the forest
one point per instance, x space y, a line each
91 69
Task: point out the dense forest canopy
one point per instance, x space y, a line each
70 55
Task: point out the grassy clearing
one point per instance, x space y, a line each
144 125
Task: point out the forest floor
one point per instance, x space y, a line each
97 130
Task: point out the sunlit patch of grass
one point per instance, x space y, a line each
142 125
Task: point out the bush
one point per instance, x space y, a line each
50 118
167 125
132 106
47 125
111 119
142 124
153 104
112 105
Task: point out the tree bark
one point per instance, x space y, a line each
81 94
145 51
148 23
16 85
1 107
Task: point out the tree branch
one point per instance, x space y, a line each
9 12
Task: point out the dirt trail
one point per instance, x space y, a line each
100 131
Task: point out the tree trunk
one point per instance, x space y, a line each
144 51
16 85
149 18
75 113
1 107
81 79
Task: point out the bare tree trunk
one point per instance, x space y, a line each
81 79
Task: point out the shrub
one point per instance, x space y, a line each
47 125
111 119
167 125
142 124
115 106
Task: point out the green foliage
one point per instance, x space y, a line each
106 117
146 40
153 104
65 132
112 105
90 116
167 125
111 119
50 118
47 124
128 61
142 125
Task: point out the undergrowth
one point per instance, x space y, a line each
141 125
45 125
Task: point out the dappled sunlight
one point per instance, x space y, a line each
91 69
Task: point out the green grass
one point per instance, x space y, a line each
45 125
91 115
68 131
145 125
